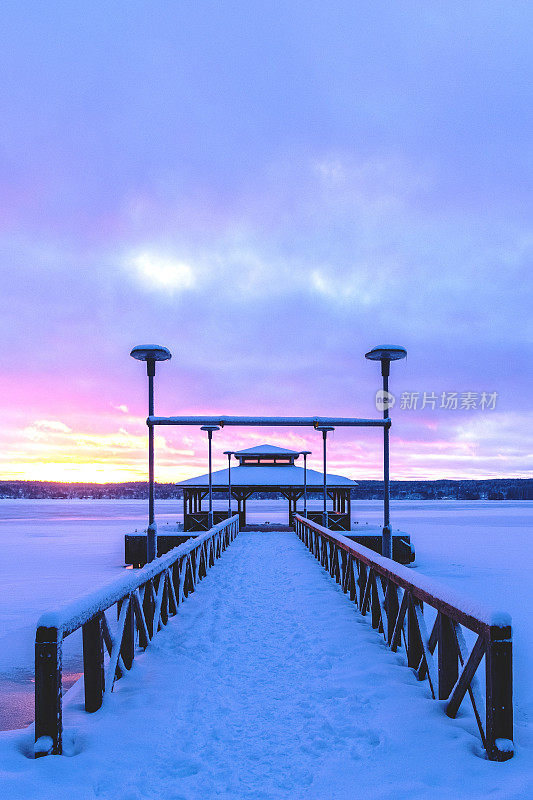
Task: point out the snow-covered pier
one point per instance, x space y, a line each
394 597
266 684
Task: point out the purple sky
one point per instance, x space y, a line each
268 189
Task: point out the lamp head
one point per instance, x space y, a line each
150 352
305 452
386 352
229 452
324 428
210 428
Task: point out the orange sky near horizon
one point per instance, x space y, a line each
114 450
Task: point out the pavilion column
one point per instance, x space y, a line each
241 510
349 507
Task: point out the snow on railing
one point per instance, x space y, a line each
145 599
395 597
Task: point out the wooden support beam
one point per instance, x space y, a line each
93 663
48 689
499 702
465 678
448 656
414 645
127 648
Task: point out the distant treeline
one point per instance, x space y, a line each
493 489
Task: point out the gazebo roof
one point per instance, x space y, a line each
270 477
267 450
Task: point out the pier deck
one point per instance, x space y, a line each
267 684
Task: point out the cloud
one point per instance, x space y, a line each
41 429
161 272
268 225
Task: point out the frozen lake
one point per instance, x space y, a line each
54 550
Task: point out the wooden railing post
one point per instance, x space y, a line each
414 645
127 648
361 580
149 608
448 656
93 663
48 692
164 603
375 608
499 694
392 607
352 578
175 578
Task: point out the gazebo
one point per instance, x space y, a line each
266 468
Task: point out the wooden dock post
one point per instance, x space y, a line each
48 691
499 694
448 656
93 663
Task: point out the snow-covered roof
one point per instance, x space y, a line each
268 477
267 450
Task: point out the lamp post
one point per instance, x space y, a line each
386 354
151 353
305 453
210 429
229 454
325 430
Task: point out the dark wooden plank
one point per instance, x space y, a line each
448 656
391 609
93 663
353 583
399 623
474 690
148 608
499 704
127 648
375 606
116 666
434 635
427 655
414 645
141 622
48 689
469 669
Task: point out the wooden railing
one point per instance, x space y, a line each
395 597
144 599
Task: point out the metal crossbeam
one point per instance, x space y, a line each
301 422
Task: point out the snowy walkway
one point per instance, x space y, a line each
267 685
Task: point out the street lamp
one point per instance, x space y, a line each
325 430
151 353
229 454
305 453
210 429
386 354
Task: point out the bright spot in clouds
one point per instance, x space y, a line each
162 272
